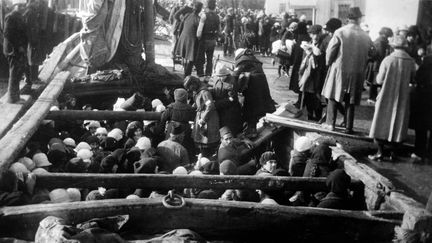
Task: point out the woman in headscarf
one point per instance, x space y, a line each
134 131
180 112
187 44
338 183
206 126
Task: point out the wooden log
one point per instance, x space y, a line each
65 180
213 219
66 26
15 140
103 115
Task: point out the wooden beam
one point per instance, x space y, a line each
15 140
156 181
103 115
149 19
212 219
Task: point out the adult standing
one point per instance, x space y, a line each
207 34
228 32
178 18
188 43
252 83
33 17
206 126
14 48
391 117
346 55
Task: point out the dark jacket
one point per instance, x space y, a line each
15 34
421 101
187 44
338 183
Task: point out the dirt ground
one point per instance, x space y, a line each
413 179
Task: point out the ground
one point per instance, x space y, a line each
413 179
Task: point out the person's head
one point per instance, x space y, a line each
191 83
338 182
82 145
322 154
303 18
227 167
69 143
180 95
354 15
70 100
293 26
101 133
94 142
230 11
134 130
268 161
399 42
315 31
226 136
41 160
143 144
303 144
191 3
92 126
332 25
411 37
116 133
386 32
177 133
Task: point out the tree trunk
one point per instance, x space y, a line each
148 31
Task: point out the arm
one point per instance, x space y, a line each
209 105
201 25
332 50
382 72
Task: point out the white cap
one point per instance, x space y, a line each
132 196
85 155
41 160
180 171
74 194
54 108
160 108
28 163
82 145
59 195
116 133
101 130
302 144
155 103
239 51
69 142
143 143
40 171
18 168
196 173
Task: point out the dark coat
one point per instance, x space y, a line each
421 98
206 110
187 44
33 18
382 49
229 111
255 89
319 165
15 34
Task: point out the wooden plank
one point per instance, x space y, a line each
313 127
103 115
15 140
11 113
242 221
65 180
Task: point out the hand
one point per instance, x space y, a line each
30 182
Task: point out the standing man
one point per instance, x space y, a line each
228 32
178 19
14 48
347 55
35 54
207 33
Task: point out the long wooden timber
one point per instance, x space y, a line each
213 219
65 180
17 137
103 115
282 120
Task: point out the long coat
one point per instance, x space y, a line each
187 44
35 51
421 101
347 55
391 117
206 110
15 34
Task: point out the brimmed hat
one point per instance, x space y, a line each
27 162
69 142
302 144
315 29
41 160
19 168
101 130
82 145
180 95
354 13
227 167
333 24
399 42
143 143
224 130
189 80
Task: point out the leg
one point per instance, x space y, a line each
200 60
210 47
188 68
379 154
16 70
373 92
350 118
331 113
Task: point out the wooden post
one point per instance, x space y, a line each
148 31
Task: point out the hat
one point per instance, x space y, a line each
354 13
69 142
160 108
59 195
143 143
19 168
85 155
293 25
386 31
267 156
333 24
302 144
108 144
315 29
190 80
40 171
28 163
269 201
132 196
93 124
180 95
82 145
74 194
196 173
399 42
58 147
224 130
239 52
201 162
76 165
54 108
177 129
222 70
155 103
227 167
101 130
180 171
53 141
93 139
41 160
246 55
116 133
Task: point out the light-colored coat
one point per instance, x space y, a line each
391 117
347 55
206 110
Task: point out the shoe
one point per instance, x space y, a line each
376 157
327 127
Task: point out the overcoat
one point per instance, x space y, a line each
391 117
206 110
347 55
187 44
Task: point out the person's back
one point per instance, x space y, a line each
172 154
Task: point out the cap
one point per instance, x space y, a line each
227 167
69 142
143 143
28 163
85 155
19 168
302 144
354 13
41 160
74 194
180 171
82 145
224 130
101 130
116 133
180 95
155 103
59 195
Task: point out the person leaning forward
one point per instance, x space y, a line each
14 48
346 56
